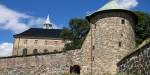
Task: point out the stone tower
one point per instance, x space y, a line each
110 38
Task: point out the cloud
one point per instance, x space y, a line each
6 49
18 22
127 4
10 20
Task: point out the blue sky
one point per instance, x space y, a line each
19 15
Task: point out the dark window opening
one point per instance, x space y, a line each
93 47
122 21
46 42
94 26
92 58
45 51
35 51
25 41
75 69
24 52
55 50
35 42
120 44
121 35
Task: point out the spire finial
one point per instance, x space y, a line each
47 20
47 23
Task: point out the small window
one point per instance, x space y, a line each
121 35
35 42
94 26
45 51
35 51
24 52
46 42
120 44
93 47
25 41
122 21
92 58
56 42
55 50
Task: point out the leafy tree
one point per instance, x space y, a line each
142 29
77 31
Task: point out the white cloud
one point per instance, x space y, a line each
127 4
18 22
10 20
6 49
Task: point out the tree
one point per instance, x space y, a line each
77 31
142 29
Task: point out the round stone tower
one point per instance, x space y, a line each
112 37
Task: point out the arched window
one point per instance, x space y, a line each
35 51
45 51
24 51
75 69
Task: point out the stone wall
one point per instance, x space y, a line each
48 64
41 45
136 63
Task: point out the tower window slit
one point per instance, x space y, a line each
122 21
120 44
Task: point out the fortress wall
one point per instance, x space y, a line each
50 64
137 63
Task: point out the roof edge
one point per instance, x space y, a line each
113 10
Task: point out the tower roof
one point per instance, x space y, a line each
40 33
47 21
110 5
47 24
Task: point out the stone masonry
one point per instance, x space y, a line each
107 42
136 63
48 64
41 44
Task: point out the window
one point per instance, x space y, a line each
121 35
35 42
94 26
35 51
25 41
45 51
120 44
55 50
46 42
122 21
93 47
56 42
24 52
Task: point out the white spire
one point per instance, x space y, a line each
47 20
47 24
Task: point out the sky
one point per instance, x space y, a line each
17 16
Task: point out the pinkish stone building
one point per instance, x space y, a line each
38 40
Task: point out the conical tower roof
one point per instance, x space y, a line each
47 24
47 21
110 5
